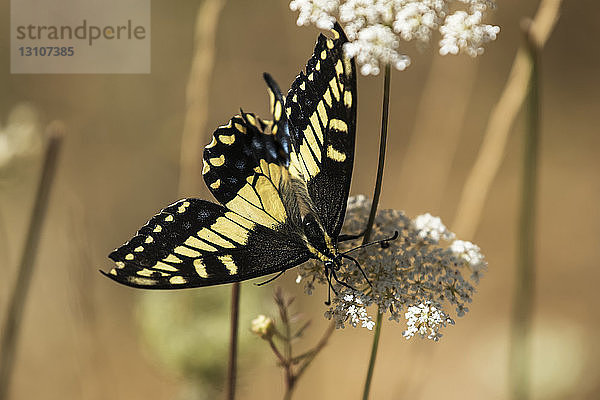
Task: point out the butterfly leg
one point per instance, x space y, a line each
344 238
340 281
328 273
270 279
359 268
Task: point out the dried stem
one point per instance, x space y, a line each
520 358
293 366
12 323
493 147
197 95
233 341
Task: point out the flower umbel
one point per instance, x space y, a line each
375 28
422 272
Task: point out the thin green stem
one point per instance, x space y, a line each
373 356
382 147
524 294
373 212
12 323
233 341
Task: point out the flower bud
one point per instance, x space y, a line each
263 326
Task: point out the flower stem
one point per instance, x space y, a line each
12 323
233 340
373 356
524 294
382 147
373 212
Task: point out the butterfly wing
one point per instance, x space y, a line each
245 169
194 243
321 110
198 243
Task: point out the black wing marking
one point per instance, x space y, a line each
279 125
244 168
321 109
195 243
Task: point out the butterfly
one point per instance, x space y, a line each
282 185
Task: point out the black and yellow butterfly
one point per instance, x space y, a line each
283 185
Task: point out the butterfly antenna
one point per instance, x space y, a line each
382 241
359 268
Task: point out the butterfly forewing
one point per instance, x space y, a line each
196 243
321 109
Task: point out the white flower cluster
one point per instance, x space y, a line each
318 12
375 27
424 268
432 227
464 32
426 321
350 309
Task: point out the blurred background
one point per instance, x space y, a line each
84 337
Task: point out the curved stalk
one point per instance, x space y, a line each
382 146
233 341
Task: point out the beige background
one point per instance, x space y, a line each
120 165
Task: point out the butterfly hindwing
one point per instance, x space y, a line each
321 109
196 243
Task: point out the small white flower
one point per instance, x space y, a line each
318 12
417 19
376 44
425 320
262 326
464 32
432 228
299 278
350 309
471 253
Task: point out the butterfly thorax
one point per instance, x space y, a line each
318 241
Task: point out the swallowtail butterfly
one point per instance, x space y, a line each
282 185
